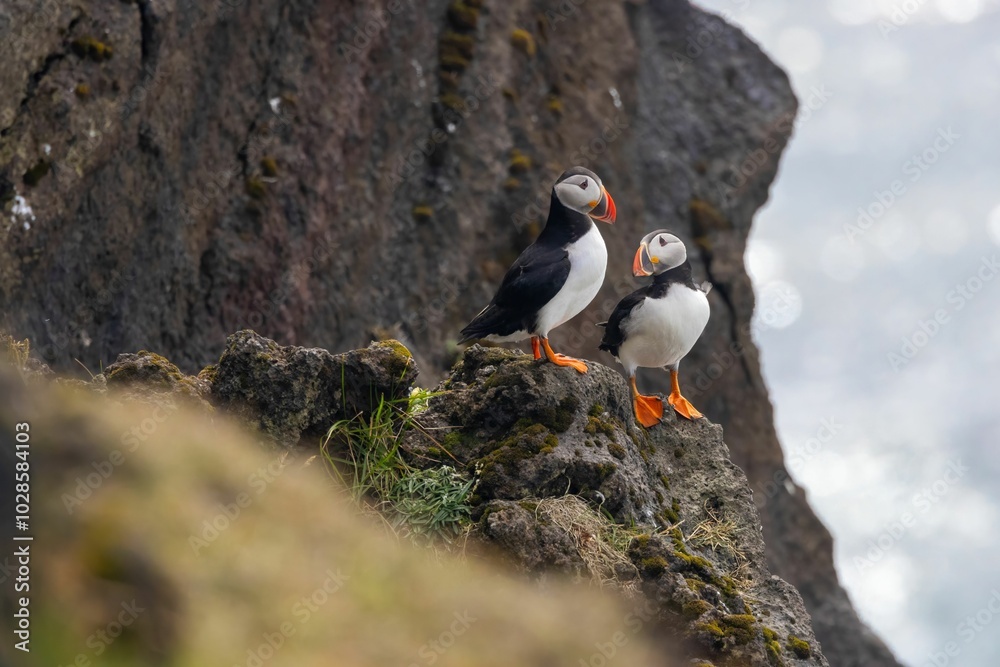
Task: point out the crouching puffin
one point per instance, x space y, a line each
657 325
556 276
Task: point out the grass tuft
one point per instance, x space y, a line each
602 544
426 507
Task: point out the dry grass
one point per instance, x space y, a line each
602 544
721 535
14 352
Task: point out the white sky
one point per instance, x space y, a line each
908 78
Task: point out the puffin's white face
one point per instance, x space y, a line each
658 252
586 194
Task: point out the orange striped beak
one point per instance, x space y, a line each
605 211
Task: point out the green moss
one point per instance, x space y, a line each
712 628
673 515
463 15
433 451
596 410
522 39
269 166
654 566
773 650
511 184
255 188
554 104
454 43
453 62
529 505
156 370
679 453
36 173
523 444
696 585
640 541
800 648
209 373
453 102
616 450
519 162
596 425
693 609
606 470
422 213
740 627
559 418
772 647
82 90
666 481
88 47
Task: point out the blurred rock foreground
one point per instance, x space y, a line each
230 550
330 172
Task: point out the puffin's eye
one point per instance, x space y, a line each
585 184
663 242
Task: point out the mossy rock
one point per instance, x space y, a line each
92 48
523 41
799 647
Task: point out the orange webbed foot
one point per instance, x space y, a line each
561 359
648 410
683 407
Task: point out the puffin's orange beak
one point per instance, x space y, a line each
605 211
641 265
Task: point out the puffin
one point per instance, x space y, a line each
657 325
557 276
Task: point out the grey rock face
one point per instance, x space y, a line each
533 431
294 392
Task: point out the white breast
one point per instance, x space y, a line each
660 332
588 258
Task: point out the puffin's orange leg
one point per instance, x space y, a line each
648 409
536 347
679 403
562 360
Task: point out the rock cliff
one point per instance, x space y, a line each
565 485
331 172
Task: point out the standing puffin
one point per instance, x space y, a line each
556 276
657 325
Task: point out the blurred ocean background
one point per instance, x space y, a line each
881 242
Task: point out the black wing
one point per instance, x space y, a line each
531 282
614 335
